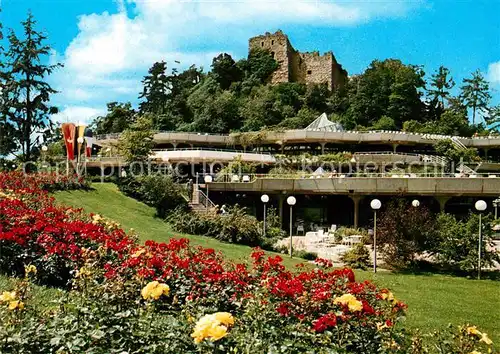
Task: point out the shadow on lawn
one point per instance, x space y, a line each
427 268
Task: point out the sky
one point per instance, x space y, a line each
107 46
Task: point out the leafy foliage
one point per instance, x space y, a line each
457 246
447 149
158 191
120 117
25 93
475 93
136 143
234 226
404 232
358 257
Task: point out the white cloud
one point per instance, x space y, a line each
494 73
112 51
77 114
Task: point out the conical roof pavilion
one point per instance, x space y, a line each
324 124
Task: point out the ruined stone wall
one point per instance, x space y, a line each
318 68
300 67
280 48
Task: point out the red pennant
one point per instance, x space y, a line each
69 131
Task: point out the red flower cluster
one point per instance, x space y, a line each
30 224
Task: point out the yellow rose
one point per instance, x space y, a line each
217 332
154 290
212 327
472 330
475 352
485 339
350 300
225 318
8 296
138 253
30 269
381 326
16 305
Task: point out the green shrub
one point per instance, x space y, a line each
358 257
235 226
457 246
158 191
404 232
310 256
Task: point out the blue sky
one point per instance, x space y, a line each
108 45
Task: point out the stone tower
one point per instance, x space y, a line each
300 67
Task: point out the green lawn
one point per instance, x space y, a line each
108 201
433 300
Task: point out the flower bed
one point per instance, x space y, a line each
125 287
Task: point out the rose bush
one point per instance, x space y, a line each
168 297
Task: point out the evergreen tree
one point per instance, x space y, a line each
119 117
493 119
441 84
25 92
225 70
475 93
155 89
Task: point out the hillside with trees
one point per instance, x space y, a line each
235 96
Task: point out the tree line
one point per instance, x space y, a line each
236 96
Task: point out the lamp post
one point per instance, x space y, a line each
291 201
208 179
375 205
44 152
80 142
264 198
496 203
415 203
480 206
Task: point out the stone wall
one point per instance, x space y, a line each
300 67
280 48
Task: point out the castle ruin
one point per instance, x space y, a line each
294 66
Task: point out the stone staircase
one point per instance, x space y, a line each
199 202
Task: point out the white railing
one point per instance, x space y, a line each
249 178
422 135
213 149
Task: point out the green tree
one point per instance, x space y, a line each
177 113
25 92
441 84
259 65
457 242
388 88
135 143
475 93
456 155
384 123
120 117
155 89
317 97
225 70
493 119
263 109
403 232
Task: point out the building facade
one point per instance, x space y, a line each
295 66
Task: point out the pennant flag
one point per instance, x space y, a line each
80 133
68 132
90 142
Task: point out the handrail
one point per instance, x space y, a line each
229 178
203 198
212 149
423 135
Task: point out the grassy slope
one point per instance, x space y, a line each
433 300
108 201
